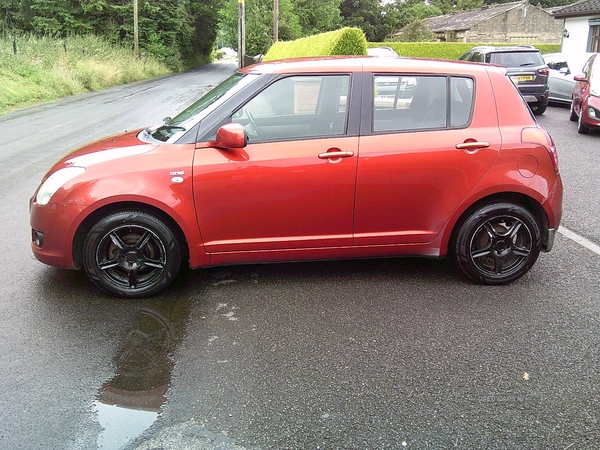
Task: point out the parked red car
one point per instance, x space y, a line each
585 107
312 159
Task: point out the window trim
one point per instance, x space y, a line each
350 122
368 110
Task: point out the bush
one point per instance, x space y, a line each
347 41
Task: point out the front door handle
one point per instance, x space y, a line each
336 154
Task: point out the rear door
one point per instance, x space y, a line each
421 152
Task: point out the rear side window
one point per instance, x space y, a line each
408 102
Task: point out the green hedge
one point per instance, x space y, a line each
447 50
347 41
352 41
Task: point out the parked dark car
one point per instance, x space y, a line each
585 108
312 159
526 67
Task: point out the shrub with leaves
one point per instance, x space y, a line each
347 41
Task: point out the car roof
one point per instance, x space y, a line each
514 48
367 64
575 60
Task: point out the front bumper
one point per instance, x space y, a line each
53 228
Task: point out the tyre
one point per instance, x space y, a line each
582 128
572 114
497 243
131 254
538 108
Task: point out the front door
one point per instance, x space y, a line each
292 186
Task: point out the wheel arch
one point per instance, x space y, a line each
527 202
101 212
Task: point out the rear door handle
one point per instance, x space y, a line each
476 145
337 154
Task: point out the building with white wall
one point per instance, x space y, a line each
581 26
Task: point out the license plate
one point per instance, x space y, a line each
522 78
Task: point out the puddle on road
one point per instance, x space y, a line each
130 402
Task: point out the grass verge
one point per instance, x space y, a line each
45 69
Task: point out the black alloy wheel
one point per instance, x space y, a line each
497 243
582 127
572 113
538 108
131 254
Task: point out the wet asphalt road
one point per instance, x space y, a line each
396 353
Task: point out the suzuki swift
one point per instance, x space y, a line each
312 159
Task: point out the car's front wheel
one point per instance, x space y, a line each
497 243
572 113
582 127
131 254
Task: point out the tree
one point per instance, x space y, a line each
367 15
57 17
416 31
399 14
259 24
448 6
180 32
318 16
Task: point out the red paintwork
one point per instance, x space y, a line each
582 97
398 194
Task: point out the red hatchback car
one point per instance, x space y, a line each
312 159
585 106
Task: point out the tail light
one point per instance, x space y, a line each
536 135
544 71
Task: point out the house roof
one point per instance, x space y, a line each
578 9
464 20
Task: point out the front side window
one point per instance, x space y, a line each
557 64
297 107
403 103
594 74
186 119
475 56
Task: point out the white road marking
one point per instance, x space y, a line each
579 239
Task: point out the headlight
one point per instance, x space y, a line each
54 182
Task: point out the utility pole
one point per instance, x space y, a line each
275 20
136 50
241 33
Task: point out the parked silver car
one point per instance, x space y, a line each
563 67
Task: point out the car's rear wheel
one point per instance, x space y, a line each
497 243
582 128
131 254
538 108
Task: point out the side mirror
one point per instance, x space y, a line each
564 71
580 77
231 135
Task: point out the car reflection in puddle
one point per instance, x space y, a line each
130 402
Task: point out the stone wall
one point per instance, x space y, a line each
518 26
